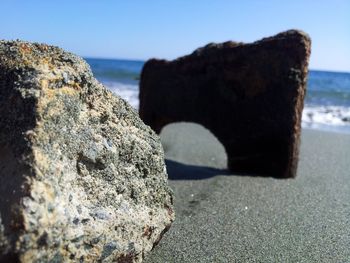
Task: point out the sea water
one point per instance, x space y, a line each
120 76
327 102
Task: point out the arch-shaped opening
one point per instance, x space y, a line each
192 151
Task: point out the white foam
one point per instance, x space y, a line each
128 92
315 116
328 118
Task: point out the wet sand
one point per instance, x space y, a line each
222 217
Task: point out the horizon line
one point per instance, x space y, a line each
144 60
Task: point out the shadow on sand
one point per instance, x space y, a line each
180 171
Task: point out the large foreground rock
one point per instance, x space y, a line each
250 96
82 179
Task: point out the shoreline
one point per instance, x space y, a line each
328 128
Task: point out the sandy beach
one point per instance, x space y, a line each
222 217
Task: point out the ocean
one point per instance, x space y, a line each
327 103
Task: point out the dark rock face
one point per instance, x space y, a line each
249 95
82 179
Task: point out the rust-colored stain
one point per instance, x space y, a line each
25 49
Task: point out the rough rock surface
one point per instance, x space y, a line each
82 179
250 96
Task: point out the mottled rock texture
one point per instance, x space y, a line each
82 179
250 96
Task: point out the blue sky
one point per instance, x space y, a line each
141 29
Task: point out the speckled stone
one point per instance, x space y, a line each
82 179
